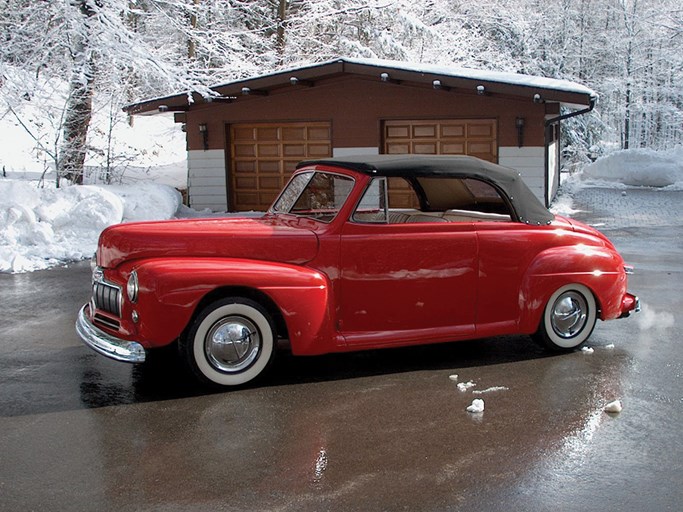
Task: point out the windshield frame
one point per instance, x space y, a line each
286 203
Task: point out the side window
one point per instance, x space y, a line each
373 205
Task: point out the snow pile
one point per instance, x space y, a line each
42 227
587 350
639 168
477 406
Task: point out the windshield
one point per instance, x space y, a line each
318 195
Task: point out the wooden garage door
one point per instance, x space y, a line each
263 157
475 137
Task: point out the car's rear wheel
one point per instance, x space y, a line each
231 342
568 319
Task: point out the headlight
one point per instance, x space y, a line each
132 287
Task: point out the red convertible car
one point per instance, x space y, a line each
356 253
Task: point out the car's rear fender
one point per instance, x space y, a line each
600 269
173 289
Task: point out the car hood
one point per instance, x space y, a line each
263 239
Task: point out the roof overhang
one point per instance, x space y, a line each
473 81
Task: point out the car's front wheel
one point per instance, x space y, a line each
231 342
568 318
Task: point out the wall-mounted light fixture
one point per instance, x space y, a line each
537 98
481 90
204 130
519 123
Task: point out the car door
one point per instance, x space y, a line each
406 283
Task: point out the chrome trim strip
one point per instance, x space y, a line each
629 270
637 308
106 344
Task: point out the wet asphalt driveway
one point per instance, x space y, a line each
381 430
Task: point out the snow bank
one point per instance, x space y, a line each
43 227
639 168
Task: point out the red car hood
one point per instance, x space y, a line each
264 239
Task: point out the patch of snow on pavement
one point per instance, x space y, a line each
489 390
587 350
464 386
453 377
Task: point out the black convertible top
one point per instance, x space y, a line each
527 206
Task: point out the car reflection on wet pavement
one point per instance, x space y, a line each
378 430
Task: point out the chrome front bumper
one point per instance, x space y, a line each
106 344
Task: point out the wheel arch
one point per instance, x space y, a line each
259 296
173 291
599 269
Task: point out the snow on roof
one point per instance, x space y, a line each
507 78
480 74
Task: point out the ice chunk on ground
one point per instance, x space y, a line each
613 407
477 405
587 350
464 386
453 377
610 346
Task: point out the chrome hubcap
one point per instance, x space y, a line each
569 314
232 344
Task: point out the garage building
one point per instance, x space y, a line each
243 143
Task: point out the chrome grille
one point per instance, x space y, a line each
107 297
106 321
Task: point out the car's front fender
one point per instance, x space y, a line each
600 269
170 290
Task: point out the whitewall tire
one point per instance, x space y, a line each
230 343
569 318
